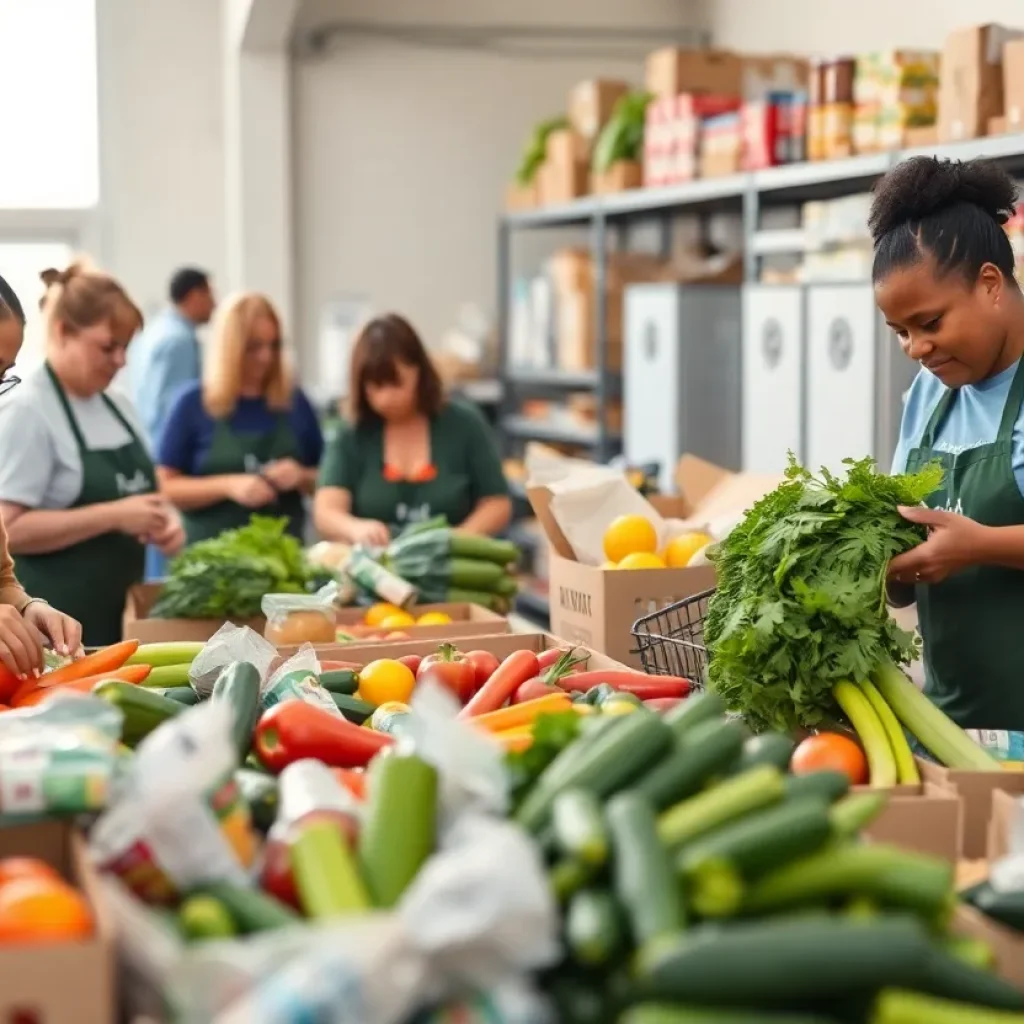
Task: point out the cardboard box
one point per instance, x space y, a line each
620 177
925 136
997 126
927 818
561 182
66 982
1006 944
971 81
591 104
137 625
1013 85
671 71
566 148
976 790
597 607
521 197
467 620
1005 811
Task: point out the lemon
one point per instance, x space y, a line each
642 560
377 613
681 549
629 535
434 619
397 620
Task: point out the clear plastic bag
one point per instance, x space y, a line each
298 678
229 644
294 619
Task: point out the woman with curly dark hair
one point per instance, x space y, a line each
944 278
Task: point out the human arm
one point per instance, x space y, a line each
38 531
11 591
490 516
334 521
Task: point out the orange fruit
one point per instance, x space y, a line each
397 620
434 619
641 560
377 613
681 549
830 752
385 680
13 868
629 535
42 910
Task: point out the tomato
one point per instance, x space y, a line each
43 910
532 689
451 669
13 868
484 665
9 682
411 662
830 751
385 680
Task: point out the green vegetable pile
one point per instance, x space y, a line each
227 576
800 604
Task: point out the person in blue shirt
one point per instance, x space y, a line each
944 278
245 440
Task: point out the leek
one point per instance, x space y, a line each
873 737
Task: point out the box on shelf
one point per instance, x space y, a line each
561 182
620 177
672 134
597 607
566 147
977 790
60 982
927 818
927 135
721 145
971 86
591 104
521 197
774 130
1013 85
467 620
671 71
893 91
137 624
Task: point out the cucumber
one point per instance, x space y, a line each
578 827
698 708
642 870
204 917
326 876
951 977
666 1013
260 792
400 826
567 877
827 786
894 1006
353 708
172 652
168 675
238 685
602 763
855 812
1005 907
342 680
772 748
143 709
251 909
593 928
715 867
783 962
182 694
709 748
735 797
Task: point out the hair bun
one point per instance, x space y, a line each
922 185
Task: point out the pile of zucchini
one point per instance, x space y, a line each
701 882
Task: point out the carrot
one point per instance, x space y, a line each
505 679
28 690
354 781
105 660
518 715
516 739
624 679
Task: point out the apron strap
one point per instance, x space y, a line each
112 406
1014 401
940 412
68 411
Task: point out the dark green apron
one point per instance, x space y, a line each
972 620
89 581
230 453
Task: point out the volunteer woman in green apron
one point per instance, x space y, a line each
944 278
245 440
77 486
407 453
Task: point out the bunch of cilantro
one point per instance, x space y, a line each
800 603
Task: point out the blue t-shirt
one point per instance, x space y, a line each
973 419
188 433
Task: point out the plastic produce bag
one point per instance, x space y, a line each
229 644
298 678
179 820
294 619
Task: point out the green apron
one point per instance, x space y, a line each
971 621
232 452
89 580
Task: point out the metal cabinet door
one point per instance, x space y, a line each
773 363
842 347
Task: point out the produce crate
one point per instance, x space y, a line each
467 620
1007 944
1002 823
927 818
137 625
65 982
976 789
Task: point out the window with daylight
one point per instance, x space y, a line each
49 153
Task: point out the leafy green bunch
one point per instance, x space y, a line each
800 603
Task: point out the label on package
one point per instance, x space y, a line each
299 685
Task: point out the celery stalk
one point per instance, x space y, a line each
873 737
906 767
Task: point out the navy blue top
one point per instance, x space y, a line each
188 432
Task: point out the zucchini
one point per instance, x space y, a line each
260 793
700 707
642 870
1005 907
784 962
893 876
828 786
182 694
593 928
342 680
895 1006
667 1013
729 800
578 827
238 686
567 877
749 848
772 748
353 708
143 710
851 815
252 909
486 549
708 749
205 917
167 675
400 826
326 877
602 763
171 652
950 977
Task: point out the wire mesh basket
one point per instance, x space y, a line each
670 642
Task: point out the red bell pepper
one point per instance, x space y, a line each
293 730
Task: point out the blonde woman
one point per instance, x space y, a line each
245 440
77 485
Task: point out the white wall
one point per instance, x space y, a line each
161 141
403 152
831 27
